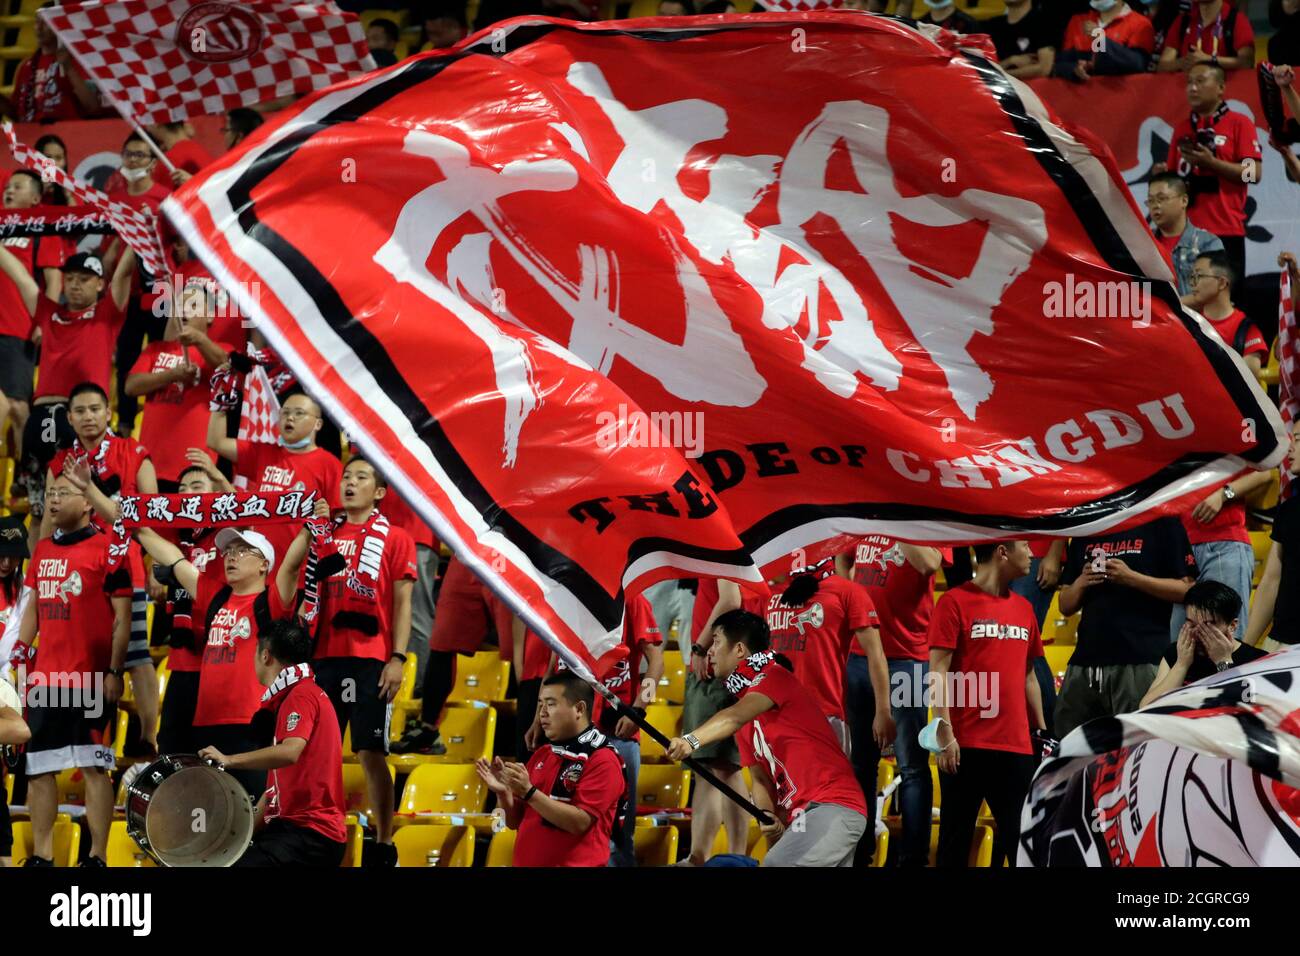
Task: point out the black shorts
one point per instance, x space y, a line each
65 737
6 828
176 727
283 844
47 431
16 368
352 684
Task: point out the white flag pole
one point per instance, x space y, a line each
152 145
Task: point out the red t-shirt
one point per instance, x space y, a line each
121 458
50 252
1129 29
404 516
903 598
228 324
639 629
994 639
794 744
592 782
175 417
310 792
706 595
200 554
1218 204
76 346
1209 38
274 468
1227 329
74 611
229 692
816 636
42 91
396 564
537 656
1167 244
187 155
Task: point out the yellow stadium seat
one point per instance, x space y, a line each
501 851
1058 656
355 791
67 842
1057 628
663 786
643 8
9 788
352 855
430 845
667 719
349 756
655 846
672 686
123 851
1260 543
721 843
882 849
484 677
441 789
467 732
71 785
885 773
981 846
407 689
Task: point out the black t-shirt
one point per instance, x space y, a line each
1029 35
956 21
1119 624
1202 666
1286 610
1284 45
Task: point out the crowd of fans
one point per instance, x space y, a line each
809 690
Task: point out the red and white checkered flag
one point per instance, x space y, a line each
138 229
1288 378
261 415
162 61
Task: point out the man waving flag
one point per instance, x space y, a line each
601 332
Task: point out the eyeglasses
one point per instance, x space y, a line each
1198 276
60 493
240 550
293 414
1158 200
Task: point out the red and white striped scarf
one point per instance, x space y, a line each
1288 374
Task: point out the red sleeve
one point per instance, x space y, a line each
302 711
1174 39
51 252
1075 38
641 619
332 479
945 556
1141 34
1035 642
249 456
945 625
601 784
273 602
860 610
745 744
30 578
1247 141
1243 34
135 565
44 309
1255 344
144 364
400 555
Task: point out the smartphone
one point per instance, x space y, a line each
1098 565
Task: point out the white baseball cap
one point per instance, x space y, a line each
254 540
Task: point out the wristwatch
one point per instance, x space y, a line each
692 740
1228 493
117 671
1223 665
696 649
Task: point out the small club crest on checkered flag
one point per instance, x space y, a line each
138 228
163 61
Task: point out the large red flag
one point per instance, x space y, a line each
861 272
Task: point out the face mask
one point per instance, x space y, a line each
296 445
929 736
1101 6
133 175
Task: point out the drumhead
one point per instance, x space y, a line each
198 816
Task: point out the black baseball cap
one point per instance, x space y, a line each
13 537
84 262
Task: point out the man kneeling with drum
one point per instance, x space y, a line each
300 816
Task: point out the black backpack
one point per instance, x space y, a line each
261 610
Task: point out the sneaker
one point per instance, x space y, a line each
37 861
94 863
421 740
380 855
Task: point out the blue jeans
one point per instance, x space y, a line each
907 682
1228 562
1027 587
621 849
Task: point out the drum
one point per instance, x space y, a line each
183 811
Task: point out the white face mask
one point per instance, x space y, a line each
133 175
